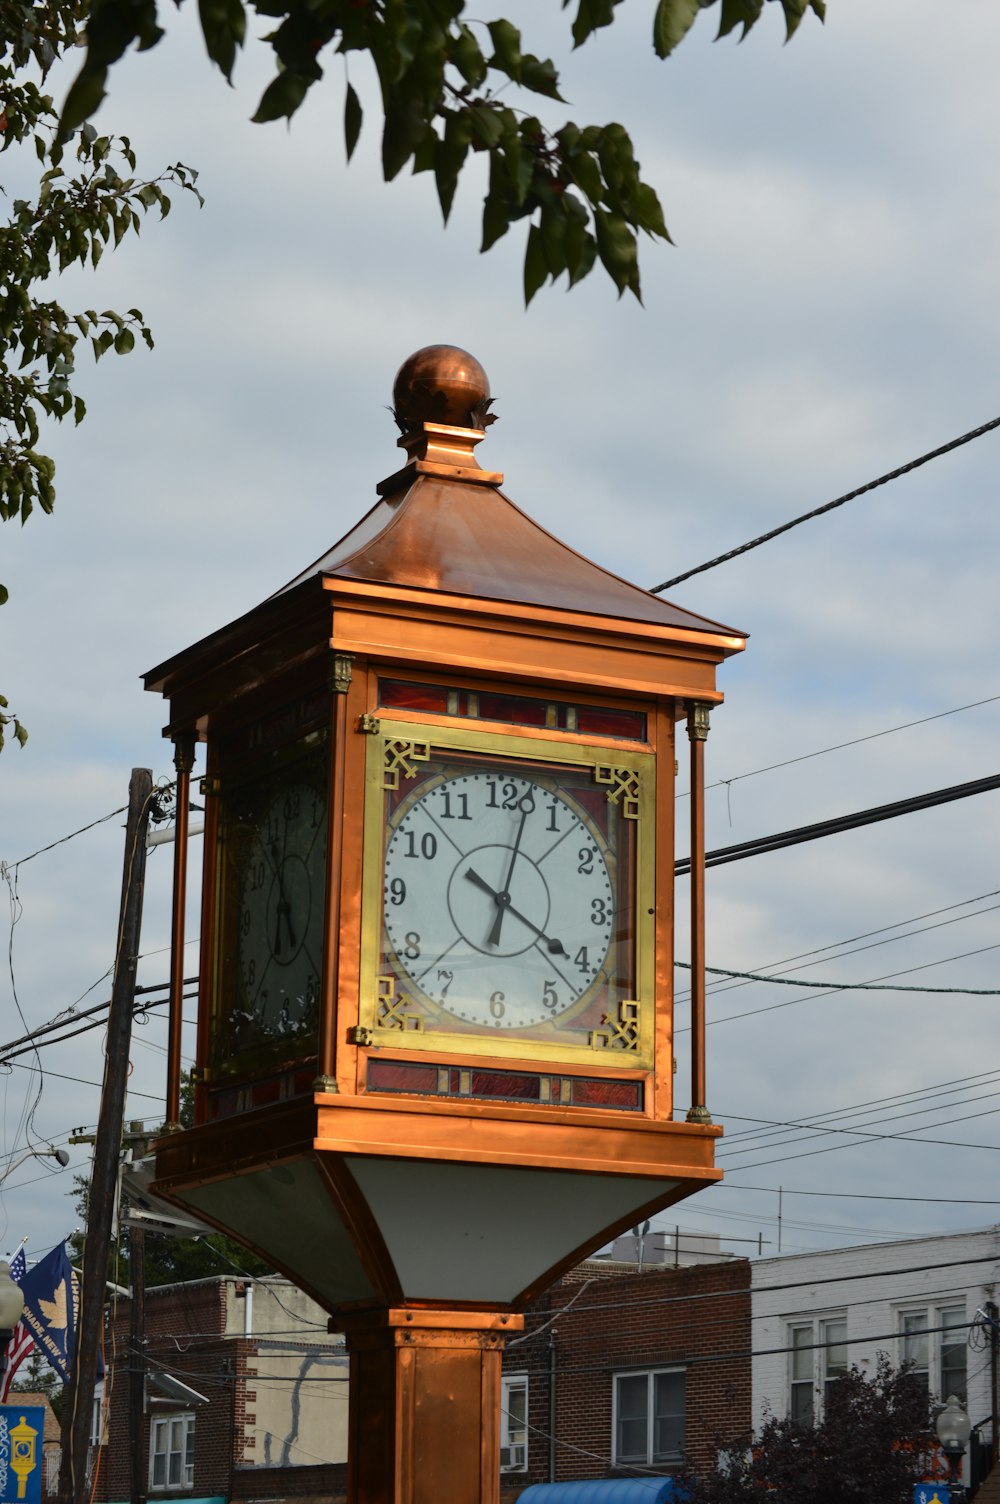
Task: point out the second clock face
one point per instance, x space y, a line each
499 898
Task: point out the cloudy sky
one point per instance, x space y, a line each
829 312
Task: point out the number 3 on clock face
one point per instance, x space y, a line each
499 898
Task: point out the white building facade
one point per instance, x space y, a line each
815 1315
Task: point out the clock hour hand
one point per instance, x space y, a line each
555 947
503 897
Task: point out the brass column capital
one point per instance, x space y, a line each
697 720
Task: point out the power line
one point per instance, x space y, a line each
829 506
815 832
756 976
840 746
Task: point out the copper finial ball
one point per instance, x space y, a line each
441 384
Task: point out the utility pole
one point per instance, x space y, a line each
137 1341
994 1315
79 1398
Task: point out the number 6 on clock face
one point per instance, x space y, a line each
502 896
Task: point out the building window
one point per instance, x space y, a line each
514 1424
933 1344
649 1417
171 1452
817 1359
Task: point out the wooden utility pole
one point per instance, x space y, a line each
79 1398
137 1459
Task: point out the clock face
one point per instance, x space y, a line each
500 896
280 925
273 863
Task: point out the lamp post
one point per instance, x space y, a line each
61 1156
954 1428
11 1306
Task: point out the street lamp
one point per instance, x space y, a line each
953 1428
11 1306
61 1157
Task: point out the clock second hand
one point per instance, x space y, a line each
555 947
503 897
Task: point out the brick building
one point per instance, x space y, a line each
246 1395
624 1370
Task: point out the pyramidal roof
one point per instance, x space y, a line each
444 524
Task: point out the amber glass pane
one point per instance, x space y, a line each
391 1075
506 1084
595 1093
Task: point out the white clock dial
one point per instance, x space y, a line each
498 899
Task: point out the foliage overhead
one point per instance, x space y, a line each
88 197
875 1441
442 77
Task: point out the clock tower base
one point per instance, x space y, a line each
425 1405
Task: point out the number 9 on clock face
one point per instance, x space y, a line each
503 897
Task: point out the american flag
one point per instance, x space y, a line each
22 1341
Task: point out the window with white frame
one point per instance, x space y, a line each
817 1358
933 1343
171 1452
514 1423
649 1417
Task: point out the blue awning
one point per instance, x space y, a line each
605 1491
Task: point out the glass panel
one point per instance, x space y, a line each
802 1352
801 1408
591 721
835 1355
512 709
668 1415
915 1344
633 1401
397 695
953 1352
516 1406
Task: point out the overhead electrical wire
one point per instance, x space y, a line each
820 828
829 506
855 741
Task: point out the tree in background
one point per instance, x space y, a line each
442 75
37 1377
87 196
875 1441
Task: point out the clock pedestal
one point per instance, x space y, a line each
425 1405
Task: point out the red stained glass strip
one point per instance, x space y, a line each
592 721
596 1093
393 1075
506 1084
394 694
513 710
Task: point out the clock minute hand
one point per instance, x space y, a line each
503 897
555 947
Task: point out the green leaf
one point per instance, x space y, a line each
352 120
20 733
535 270
506 49
4 598
672 21
282 97
540 75
468 58
617 249
590 16
224 27
739 13
449 158
124 342
85 94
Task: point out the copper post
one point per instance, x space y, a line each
425 1405
183 762
697 726
326 1078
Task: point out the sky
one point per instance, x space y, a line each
829 311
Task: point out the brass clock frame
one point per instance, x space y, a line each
396 750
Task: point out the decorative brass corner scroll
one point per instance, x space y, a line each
621 1033
401 758
623 785
392 1012
343 664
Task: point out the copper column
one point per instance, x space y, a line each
697 726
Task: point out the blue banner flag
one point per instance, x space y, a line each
50 1308
22 1431
931 1493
